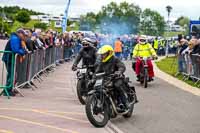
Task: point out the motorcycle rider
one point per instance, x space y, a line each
141 50
112 65
87 54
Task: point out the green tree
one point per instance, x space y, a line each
114 18
182 21
88 22
42 26
23 17
119 19
152 23
4 27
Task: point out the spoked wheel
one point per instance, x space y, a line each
132 100
80 92
96 113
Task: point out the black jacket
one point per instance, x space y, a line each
111 66
88 56
30 45
196 49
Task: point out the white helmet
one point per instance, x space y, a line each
88 42
142 39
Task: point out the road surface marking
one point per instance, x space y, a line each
36 123
5 131
60 116
46 113
58 112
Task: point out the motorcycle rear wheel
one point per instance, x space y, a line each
129 114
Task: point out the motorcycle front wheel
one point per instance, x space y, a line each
97 115
80 94
145 78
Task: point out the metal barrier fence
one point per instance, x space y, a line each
29 67
189 66
7 71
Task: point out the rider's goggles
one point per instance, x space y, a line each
142 40
85 44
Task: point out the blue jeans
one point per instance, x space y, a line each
118 54
180 63
67 52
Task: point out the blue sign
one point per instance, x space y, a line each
64 23
195 27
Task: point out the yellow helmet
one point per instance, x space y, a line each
106 52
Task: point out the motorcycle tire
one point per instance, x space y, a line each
79 92
129 114
89 112
145 78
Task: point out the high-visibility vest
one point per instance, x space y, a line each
118 46
143 50
162 43
156 44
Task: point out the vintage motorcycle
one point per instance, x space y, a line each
102 101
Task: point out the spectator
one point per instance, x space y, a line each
196 49
182 45
15 45
34 42
67 46
43 38
118 48
156 44
29 43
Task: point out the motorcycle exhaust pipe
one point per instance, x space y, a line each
115 109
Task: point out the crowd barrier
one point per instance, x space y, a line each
189 66
31 66
7 71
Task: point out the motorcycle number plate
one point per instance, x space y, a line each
83 70
99 82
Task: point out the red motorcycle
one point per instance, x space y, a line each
144 74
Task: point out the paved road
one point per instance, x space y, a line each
2 44
163 108
52 108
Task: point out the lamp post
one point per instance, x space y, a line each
2 23
169 9
64 23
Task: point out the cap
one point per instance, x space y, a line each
26 32
34 34
20 30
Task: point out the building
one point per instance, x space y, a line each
57 19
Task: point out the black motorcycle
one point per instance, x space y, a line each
102 101
84 74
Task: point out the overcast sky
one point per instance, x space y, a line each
188 8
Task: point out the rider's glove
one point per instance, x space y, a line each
74 68
155 57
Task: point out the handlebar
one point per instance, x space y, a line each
88 66
146 58
99 75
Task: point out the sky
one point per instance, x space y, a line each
188 8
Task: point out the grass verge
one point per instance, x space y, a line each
170 66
